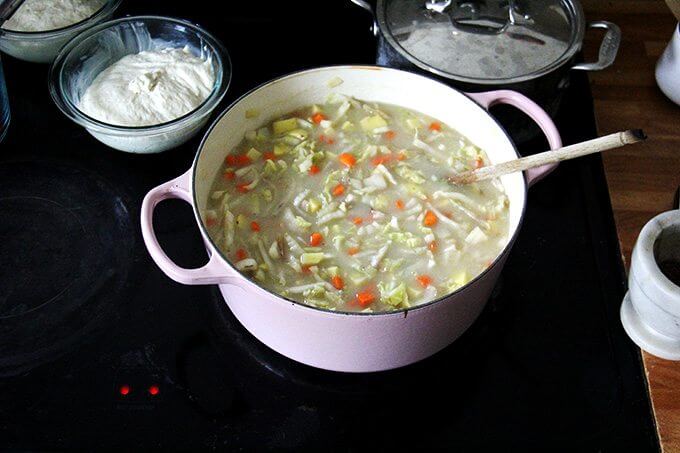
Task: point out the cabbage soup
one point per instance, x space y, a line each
346 206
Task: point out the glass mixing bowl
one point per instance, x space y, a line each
89 53
43 46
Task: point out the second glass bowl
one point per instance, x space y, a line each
43 46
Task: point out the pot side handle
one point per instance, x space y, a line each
608 48
490 98
214 271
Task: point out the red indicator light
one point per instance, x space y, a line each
154 390
124 390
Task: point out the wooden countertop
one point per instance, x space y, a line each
643 179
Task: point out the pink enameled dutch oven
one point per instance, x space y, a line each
352 342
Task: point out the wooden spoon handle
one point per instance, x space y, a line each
595 145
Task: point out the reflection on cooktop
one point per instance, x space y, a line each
243 385
65 245
229 333
42 269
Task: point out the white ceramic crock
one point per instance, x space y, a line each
651 309
352 342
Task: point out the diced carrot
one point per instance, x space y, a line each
435 126
352 251
315 239
314 170
401 156
241 254
306 269
326 140
424 280
365 298
399 204
254 226
211 221
430 219
240 160
357 220
318 118
338 190
269 155
243 188
432 246
337 282
381 159
479 162
347 159
389 135
229 175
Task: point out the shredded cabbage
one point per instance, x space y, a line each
396 296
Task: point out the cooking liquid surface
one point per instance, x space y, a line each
347 206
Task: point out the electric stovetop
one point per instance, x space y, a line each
99 349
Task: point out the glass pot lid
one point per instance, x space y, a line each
484 41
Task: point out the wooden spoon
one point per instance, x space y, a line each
595 145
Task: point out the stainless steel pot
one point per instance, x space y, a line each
527 46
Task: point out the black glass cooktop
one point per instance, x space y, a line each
99 349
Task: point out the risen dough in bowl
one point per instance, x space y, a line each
40 28
150 87
44 15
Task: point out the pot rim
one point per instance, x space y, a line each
403 311
575 45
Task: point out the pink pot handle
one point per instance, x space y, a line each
530 108
214 272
